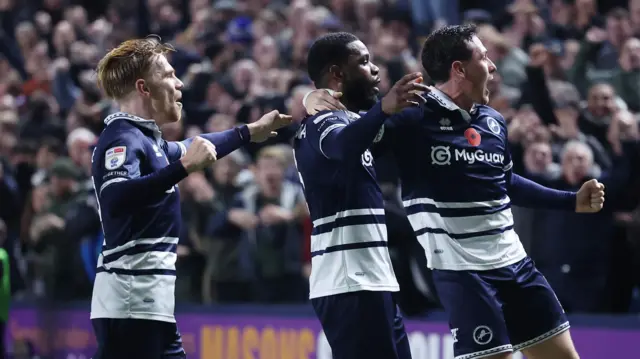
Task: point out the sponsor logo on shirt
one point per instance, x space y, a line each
442 156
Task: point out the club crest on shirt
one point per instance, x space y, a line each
493 125
115 157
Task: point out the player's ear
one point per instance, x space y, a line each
336 72
141 87
457 69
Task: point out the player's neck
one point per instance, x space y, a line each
351 105
456 95
135 107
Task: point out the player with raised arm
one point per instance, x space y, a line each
135 174
351 274
457 187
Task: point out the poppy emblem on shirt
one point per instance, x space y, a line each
472 136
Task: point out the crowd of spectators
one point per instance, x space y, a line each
568 83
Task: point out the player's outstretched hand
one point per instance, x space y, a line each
321 100
590 197
265 127
405 93
201 154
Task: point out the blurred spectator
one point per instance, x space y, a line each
206 203
63 216
265 222
580 262
623 76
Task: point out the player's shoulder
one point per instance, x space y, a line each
407 119
313 127
119 131
327 117
486 111
438 102
435 107
430 106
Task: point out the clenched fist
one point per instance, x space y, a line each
590 197
201 154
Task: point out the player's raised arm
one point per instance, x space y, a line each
527 193
228 141
328 100
341 138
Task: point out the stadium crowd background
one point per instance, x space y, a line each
568 83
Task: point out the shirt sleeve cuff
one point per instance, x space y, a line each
243 132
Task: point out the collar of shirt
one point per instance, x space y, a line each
135 120
352 115
445 101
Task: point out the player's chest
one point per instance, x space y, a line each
312 164
476 146
155 157
155 160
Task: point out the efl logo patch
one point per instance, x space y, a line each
115 157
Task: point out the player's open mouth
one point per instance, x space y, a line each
375 88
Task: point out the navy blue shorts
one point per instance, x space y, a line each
363 325
499 310
137 339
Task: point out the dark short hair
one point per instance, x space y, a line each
444 46
327 50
